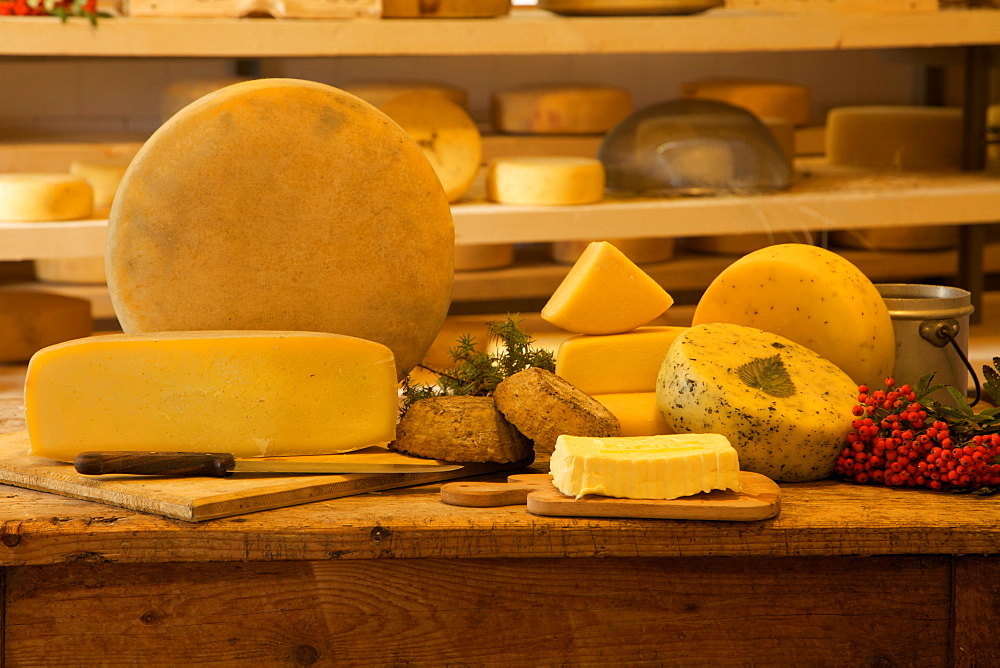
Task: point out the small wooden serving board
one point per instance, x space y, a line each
759 499
197 499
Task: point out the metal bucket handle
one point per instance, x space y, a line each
942 332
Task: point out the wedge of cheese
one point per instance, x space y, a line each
605 293
545 180
248 393
637 413
32 197
560 108
766 99
813 297
785 409
615 363
895 137
644 467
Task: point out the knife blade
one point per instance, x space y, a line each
222 465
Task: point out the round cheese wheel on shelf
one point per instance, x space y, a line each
34 197
280 204
380 92
560 109
545 180
180 94
474 257
640 251
772 99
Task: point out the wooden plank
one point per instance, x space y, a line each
279 9
836 6
676 612
977 612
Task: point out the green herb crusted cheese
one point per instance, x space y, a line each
785 409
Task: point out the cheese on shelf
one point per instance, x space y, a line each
560 109
32 320
471 257
637 413
640 251
766 99
180 94
445 133
785 409
281 204
895 137
644 467
605 293
33 197
615 363
813 297
380 92
247 393
545 180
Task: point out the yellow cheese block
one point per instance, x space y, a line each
447 135
281 204
380 92
248 393
785 409
772 99
545 180
895 137
180 94
605 293
560 109
637 412
615 363
31 197
30 321
644 467
813 297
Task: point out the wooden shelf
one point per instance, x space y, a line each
524 31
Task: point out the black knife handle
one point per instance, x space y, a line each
219 465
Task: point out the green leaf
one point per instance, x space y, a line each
769 375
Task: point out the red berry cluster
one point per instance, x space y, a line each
62 8
895 442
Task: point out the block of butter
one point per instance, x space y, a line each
247 393
644 467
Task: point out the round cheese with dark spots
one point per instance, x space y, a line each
785 409
280 204
813 297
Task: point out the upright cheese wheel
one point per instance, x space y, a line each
445 132
785 409
773 99
280 204
895 137
813 297
32 197
605 293
560 109
545 180
380 92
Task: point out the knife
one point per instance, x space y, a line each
222 465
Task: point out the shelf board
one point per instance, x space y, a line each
524 31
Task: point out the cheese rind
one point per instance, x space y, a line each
813 297
644 467
32 197
785 409
605 293
248 393
545 180
560 109
895 137
637 413
616 363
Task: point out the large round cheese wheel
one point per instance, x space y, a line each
280 204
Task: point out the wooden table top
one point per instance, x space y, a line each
821 518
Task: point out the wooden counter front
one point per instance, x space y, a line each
845 576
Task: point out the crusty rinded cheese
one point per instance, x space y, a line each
637 413
30 321
32 197
380 92
813 297
785 409
445 132
76 270
773 99
895 137
605 293
615 363
545 180
247 393
560 108
644 467
281 204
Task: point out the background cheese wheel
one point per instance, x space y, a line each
280 204
545 180
180 94
895 137
445 132
773 99
560 109
380 92
813 297
640 251
32 197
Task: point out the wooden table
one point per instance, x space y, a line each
844 576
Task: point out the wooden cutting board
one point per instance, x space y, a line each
197 499
759 499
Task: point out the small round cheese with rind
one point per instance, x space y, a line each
34 197
785 409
